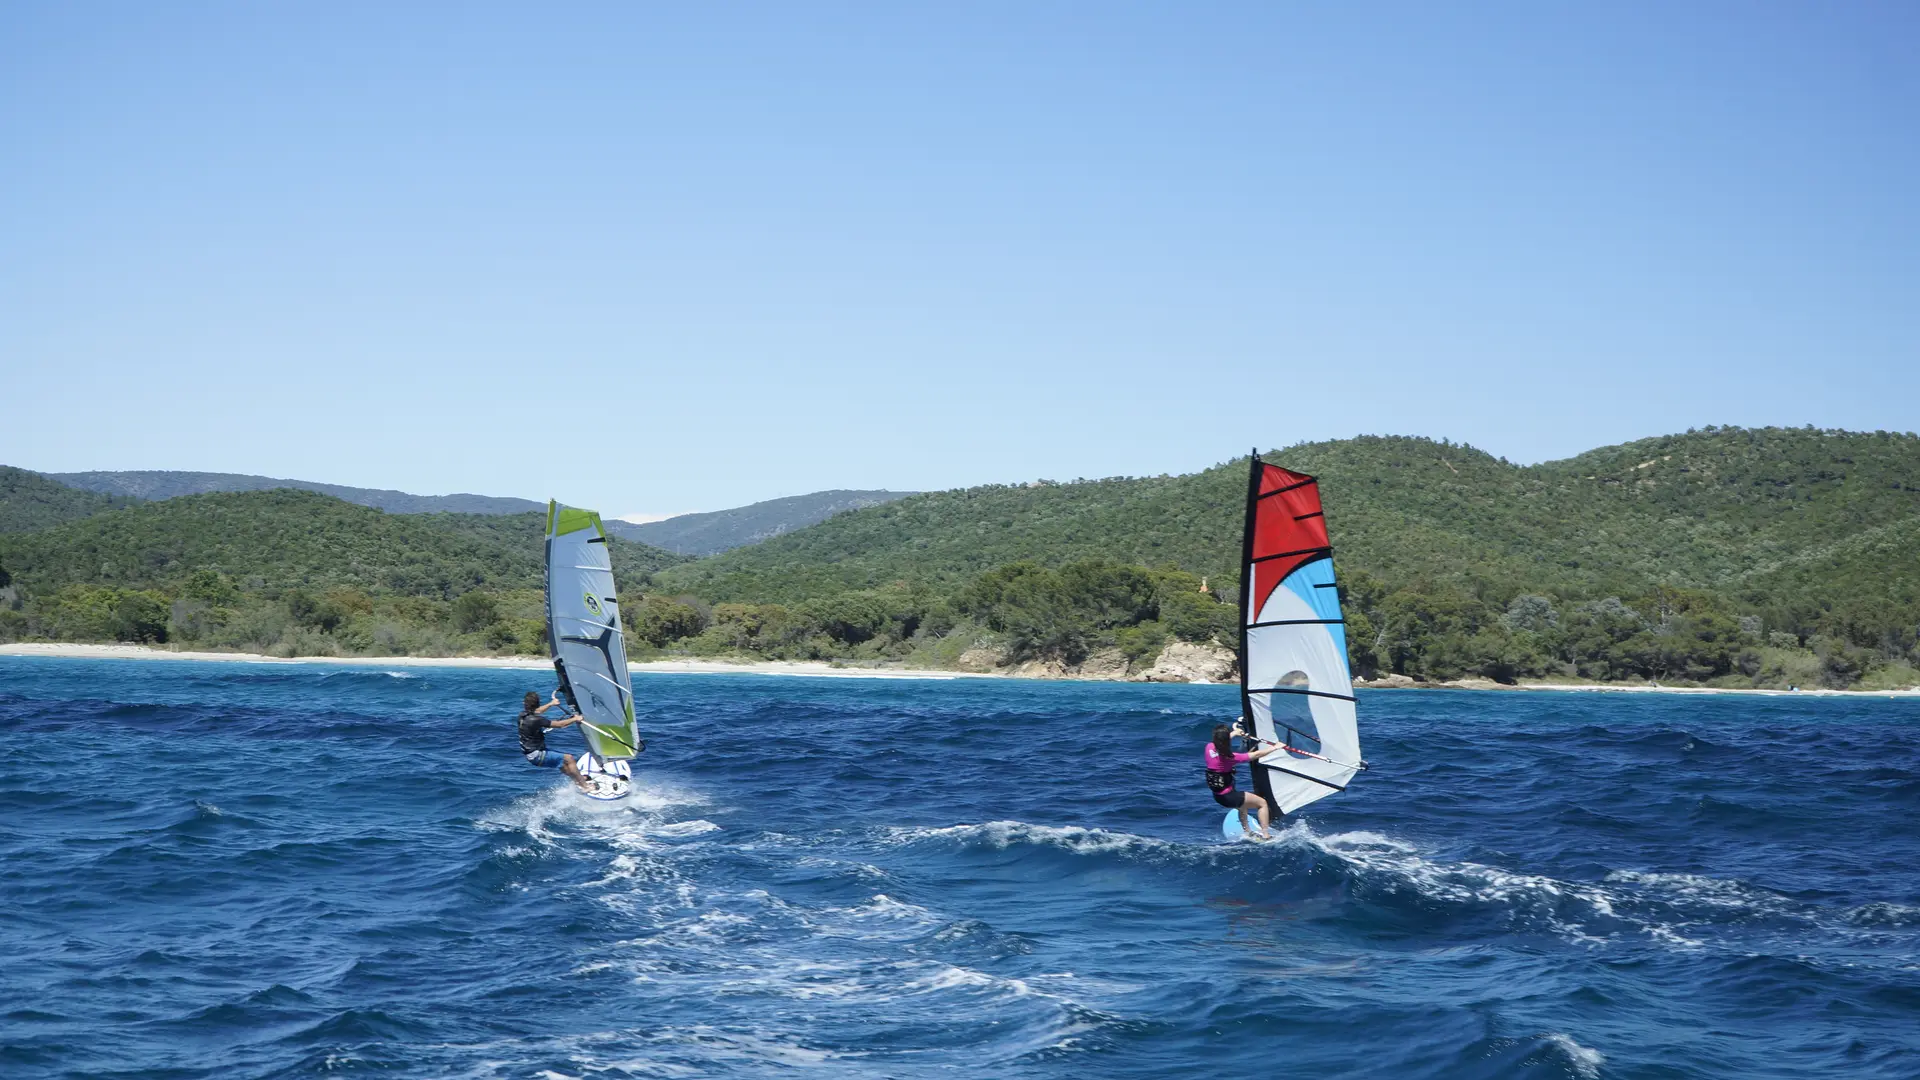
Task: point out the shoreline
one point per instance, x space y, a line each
819 668
825 669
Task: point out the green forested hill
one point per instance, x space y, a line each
29 501
1736 557
262 568
287 538
1797 539
942 538
1704 509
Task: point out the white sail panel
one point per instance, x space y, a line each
1307 703
584 634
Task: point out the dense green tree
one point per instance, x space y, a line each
657 620
474 612
140 617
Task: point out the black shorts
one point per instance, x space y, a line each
1232 798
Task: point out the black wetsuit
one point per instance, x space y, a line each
533 732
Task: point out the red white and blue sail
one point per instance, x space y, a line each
1296 688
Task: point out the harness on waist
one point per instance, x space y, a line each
1219 781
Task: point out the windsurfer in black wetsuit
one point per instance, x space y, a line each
534 726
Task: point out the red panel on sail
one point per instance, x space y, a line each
1287 522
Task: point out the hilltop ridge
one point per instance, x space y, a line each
723 530
159 484
30 501
688 534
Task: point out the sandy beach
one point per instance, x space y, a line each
683 667
823 669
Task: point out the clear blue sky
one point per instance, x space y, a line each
654 258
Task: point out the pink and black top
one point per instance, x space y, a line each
1219 772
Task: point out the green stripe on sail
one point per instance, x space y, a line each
611 743
569 521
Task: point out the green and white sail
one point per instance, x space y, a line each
583 632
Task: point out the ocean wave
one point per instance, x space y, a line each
1882 914
1006 834
1591 913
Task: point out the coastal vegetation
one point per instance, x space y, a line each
29 501
1724 556
290 572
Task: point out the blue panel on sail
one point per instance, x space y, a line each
1313 584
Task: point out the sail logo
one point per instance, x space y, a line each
592 604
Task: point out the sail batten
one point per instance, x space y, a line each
1294 677
581 594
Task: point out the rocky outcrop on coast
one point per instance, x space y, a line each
1182 662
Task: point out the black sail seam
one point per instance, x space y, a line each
1284 490
1304 776
1300 690
1286 554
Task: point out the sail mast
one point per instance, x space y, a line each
1262 785
1246 574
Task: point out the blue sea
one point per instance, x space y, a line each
276 870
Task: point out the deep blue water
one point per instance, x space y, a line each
236 870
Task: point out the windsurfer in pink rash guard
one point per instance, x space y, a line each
1221 758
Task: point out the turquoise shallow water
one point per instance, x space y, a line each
223 869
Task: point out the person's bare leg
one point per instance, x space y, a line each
1260 804
573 773
1242 811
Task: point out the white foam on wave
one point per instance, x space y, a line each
1005 834
696 827
1699 888
1586 1061
562 806
1360 840
1677 910
741 948
732 1049
880 919
1884 914
1735 899
1588 913
954 977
